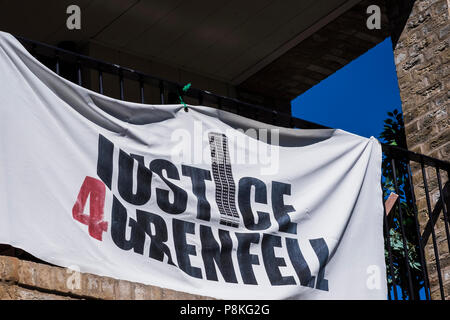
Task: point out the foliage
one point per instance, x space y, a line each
394 134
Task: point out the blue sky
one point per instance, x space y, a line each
357 97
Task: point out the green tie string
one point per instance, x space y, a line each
184 90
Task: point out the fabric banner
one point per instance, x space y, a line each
197 200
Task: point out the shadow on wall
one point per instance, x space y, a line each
10 251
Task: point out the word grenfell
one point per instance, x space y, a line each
169 233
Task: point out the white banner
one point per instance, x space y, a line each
203 201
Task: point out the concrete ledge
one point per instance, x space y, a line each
24 280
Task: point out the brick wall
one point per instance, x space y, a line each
421 35
25 280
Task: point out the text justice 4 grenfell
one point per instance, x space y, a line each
158 222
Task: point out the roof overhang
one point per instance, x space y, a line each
237 42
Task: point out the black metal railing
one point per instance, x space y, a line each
414 262
412 257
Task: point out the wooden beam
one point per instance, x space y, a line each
390 202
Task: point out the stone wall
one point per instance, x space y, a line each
421 35
25 280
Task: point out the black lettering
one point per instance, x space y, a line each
162 196
273 263
183 249
158 248
105 160
125 180
245 187
198 177
119 220
299 263
245 259
280 210
321 249
213 253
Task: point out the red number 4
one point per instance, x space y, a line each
95 190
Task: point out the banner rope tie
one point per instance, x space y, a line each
184 90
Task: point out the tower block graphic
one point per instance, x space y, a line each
223 179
